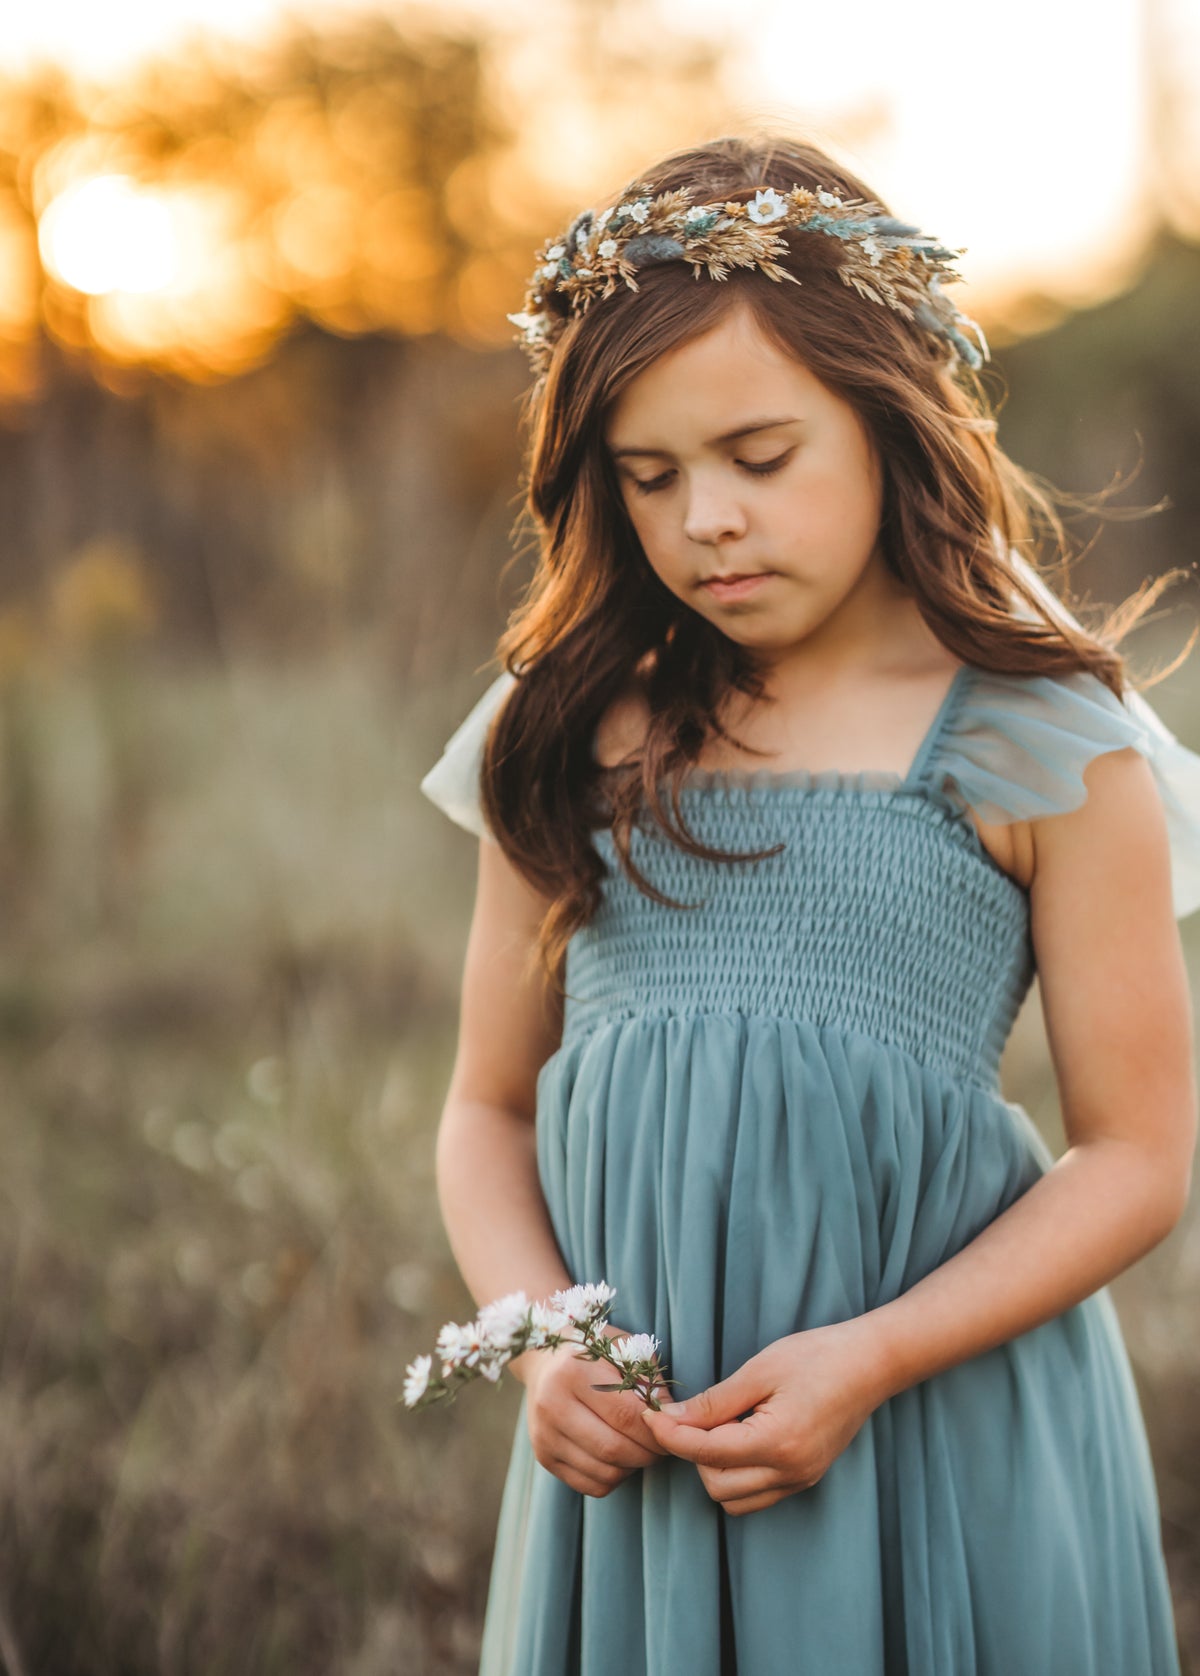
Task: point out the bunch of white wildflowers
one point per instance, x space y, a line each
511 1325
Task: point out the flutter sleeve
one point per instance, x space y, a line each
1016 748
453 781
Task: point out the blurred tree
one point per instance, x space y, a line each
310 180
347 208
376 175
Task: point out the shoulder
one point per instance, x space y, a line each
1114 838
621 730
1022 752
1017 746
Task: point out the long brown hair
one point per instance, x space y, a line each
596 616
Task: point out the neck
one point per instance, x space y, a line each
878 627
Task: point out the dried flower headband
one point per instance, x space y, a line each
885 260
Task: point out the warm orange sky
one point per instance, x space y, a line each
1018 131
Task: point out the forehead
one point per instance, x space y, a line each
730 376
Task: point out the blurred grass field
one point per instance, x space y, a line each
228 992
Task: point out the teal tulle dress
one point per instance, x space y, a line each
780 1109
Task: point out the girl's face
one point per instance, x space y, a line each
735 461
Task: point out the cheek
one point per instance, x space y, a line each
835 503
652 529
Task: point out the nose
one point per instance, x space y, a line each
713 514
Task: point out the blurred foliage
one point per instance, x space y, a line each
298 435
319 180
219 1242
1114 391
377 175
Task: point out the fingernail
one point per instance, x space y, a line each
669 1407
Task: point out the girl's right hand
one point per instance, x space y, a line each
590 1439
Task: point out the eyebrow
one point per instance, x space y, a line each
729 436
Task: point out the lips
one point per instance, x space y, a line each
736 585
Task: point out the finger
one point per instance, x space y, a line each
657 1437
629 1421
753 1504
726 1484
725 1446
605 1443
725 1401
584 1484
580 1471
624 1413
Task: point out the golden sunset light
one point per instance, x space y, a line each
107 234
970 124
1046 182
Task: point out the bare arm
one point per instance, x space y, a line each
1118 1017
491 1200
509 1024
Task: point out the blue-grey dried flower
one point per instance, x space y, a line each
967 350
889 224
648 248
580 227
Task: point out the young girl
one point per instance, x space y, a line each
794 776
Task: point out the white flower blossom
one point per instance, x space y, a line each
555 252
696 213
501 1320
602 218
448 1341
873 249
548 270
767 206
492 1370
583 1303
459 1346
583 273
535 323
639 212
608 247
543 1320
636 1349
829 199
416 1379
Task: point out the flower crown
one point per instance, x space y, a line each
885 260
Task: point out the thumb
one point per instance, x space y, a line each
719 1403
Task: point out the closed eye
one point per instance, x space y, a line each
762 468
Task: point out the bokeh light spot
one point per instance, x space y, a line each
108 234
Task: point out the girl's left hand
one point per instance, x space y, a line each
808 1394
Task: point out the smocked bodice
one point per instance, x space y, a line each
882 916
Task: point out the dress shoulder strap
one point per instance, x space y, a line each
453 781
